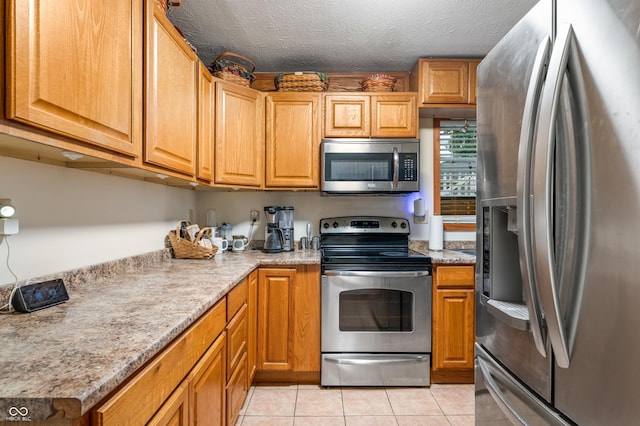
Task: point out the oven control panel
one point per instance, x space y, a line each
364 225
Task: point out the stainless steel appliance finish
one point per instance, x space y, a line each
376 304
558 202
370 166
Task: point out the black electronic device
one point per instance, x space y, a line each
33 297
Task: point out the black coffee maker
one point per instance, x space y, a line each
273 236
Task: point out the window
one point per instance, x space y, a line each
455 168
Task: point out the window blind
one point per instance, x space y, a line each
458 141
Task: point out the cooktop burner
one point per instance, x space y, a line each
368 242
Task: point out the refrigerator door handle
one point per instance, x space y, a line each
498 396
525 153
570 230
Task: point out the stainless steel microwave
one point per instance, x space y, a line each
370 166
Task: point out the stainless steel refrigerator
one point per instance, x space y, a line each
558 243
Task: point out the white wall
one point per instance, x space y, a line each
72 218
233 207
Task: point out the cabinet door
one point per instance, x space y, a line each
207 383
236 339
293 140
252 317
171 95
394 116
445 82
239 153
206 120
75 68
174 411
306 314
275 319
453 323
347 116
473 77
236 391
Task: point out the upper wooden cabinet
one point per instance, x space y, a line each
371 115
171 113
206 124
75 68
293 136
239 152
445 81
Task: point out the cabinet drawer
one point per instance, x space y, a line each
143 395
455 276
236 391
236 339
236 298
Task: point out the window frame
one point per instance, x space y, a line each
436 181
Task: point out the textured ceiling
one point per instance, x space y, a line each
345 35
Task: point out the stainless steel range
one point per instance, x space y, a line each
376 304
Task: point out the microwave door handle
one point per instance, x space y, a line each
396 167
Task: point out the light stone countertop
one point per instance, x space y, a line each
63 360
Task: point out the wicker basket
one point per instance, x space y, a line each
185 249
302 82
378 83
234 67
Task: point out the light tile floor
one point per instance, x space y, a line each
295 405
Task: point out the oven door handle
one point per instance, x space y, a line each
378 274
363 360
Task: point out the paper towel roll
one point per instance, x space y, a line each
436 233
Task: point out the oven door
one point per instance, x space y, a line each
376 312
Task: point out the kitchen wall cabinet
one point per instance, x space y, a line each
453 324
171 98
445 82
206 124
293 133
288 324
75 69
239 136
371 115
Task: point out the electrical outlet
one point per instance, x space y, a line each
254 216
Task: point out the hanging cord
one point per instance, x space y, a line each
7 308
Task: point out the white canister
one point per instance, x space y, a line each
436 233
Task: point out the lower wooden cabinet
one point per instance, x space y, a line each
203 376
207 396
289 324
453 324
153 388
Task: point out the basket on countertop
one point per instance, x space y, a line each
300 81
183 248
378 83
233 67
